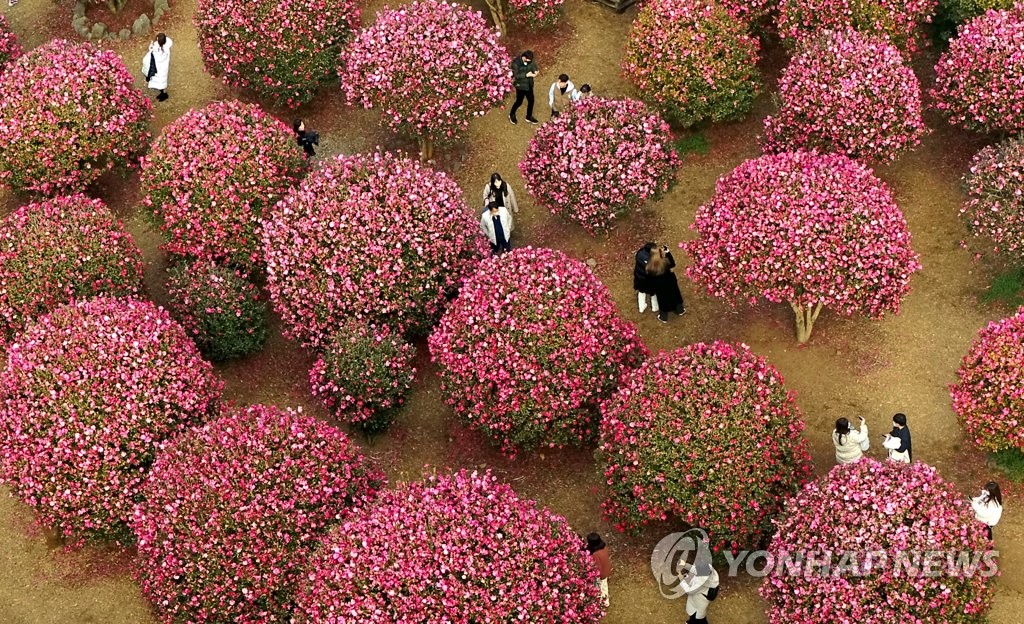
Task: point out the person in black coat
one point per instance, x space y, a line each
641 282
664 284
305 138
897 441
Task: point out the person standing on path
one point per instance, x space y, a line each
599 555
664 283
560 94
306 139
496 224
499 192
700 591
641 281
988 506
160 59
849 443
897 441
524 70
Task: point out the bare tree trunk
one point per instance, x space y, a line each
497 8
426 149
805 317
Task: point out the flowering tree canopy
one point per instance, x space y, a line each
89 394
370 236
10 49
430 67
530 14
995 197
693 61
850 93
872 529
68 113
899 21
233 511
453 548
706 434
809 229
600 160
531 347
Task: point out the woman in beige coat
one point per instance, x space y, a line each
848 441
499 192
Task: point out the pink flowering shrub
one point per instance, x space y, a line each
850 93
899 21
600 160
283 51
989 396
452 548
531 348
693 61
535 14
859 543
979 80
960 11
430 67
10 49
233 510
213 172
58 251
995 197
89 395
374 237
363 375
706 434
68 113
219 308
812 230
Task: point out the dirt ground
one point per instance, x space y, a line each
851 366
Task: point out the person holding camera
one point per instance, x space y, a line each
850 443
524 70
306 138
897 442
988 506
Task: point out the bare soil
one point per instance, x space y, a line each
851 366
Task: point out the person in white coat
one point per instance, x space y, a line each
988 506
500 192
849 442
560 94
496 224
160 54
700 591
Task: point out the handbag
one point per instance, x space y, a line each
149 66
712 594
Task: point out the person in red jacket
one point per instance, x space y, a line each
599 554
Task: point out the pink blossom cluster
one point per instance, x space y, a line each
211 175
57 251
989 394
847 92
979 80
68 113
283 51
460 548
693 61
995 197
751 11
363 374
374 237
531 348
707 435
89 395
10 49
807 229
429 66
535 14
600 160
233 510
888 516
899 21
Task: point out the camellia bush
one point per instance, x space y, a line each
899 21
68 113
850 93
219 308
211 175
58 251
960 11
858 545
363 375
995 197
979 80
374 237
600 160
233 511
283 51
693 61
481 554
989 394
706 434
10 49
89 395
529 14
813 230
531 348
430 67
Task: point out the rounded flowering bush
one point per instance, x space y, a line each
693 61
600 160
706 434
810 229
58 251
89 395
68 113
960 11
989 394
876 543
212 173
850 93
219 308
979 80
899 21
529 14
430 67
995 197
373 237
283 51
363 375
452 548
531 348
10 49
233 511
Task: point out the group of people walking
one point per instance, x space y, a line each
562 93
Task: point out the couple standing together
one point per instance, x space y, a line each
653 276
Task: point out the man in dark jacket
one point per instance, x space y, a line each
523 72
641 281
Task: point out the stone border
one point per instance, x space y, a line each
98 31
